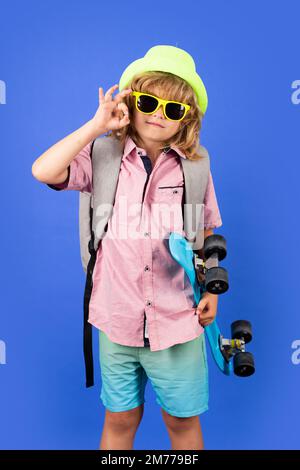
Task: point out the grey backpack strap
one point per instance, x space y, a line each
106 160
196 174
85 203
106 155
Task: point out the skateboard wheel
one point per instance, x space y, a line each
215 244
241 329
216 280
243 364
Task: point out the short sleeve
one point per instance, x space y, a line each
212 216
79 173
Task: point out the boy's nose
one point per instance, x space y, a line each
159 111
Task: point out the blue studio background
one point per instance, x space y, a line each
54 56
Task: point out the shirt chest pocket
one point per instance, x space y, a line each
167 209
169 193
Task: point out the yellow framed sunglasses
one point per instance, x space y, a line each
148 104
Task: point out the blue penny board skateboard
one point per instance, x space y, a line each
182 252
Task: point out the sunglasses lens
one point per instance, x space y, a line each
174 111
146 104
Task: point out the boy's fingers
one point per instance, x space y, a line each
201 306
123 107
206 320
206 323
101 96
121 95
204 316
124 121
108 94
204 312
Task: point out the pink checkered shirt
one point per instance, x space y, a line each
140 294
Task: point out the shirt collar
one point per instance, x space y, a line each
130 145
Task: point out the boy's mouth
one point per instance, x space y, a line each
154 124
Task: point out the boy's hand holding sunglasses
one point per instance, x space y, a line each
113 113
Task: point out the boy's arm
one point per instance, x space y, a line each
52 167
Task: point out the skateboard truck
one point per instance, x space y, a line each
243 362
200 268
213 277
230 347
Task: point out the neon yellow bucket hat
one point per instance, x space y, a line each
168 59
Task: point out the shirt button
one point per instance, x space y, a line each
147 268
148 303
146 234
175 191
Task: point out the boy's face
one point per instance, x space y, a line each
152 133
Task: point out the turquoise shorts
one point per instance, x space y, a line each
179 376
